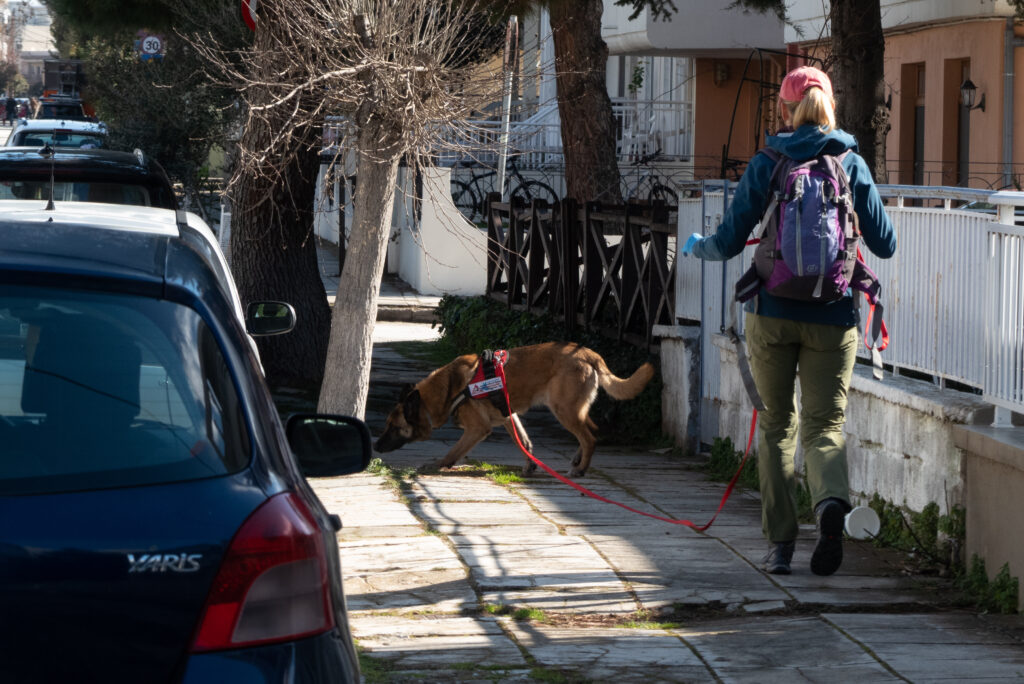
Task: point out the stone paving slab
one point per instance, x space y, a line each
588 600
944 647
455 517
426 552
437 642
435 591
756 649
612 655
460 489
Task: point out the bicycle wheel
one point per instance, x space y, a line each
465 199
534 190
663 193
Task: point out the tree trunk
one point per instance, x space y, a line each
273 254
858 50
347 375
584 108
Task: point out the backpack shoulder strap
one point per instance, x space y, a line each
773 187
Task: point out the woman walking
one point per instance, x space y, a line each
814 341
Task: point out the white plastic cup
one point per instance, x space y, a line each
862 523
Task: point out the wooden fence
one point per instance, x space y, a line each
607 268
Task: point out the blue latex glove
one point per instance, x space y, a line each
690 243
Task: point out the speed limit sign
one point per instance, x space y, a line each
150 46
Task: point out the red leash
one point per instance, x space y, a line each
587 492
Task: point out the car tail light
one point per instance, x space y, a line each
273 583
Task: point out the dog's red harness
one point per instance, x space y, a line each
488 381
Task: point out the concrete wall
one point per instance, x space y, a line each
442 252
899 431
432 247
995 480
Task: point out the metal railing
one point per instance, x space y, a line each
641 127
953 293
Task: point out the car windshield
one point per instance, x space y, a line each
82 141
60 111
102 390
111 193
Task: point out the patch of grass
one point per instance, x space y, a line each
547 674
725 460
521 614
500 474
374 670
647 624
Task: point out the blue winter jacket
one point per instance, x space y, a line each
751 199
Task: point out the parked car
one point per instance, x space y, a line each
155 519
61 107
58 133
84 176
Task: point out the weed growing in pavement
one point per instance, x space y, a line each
546 674
1001 594
725 459
374 670
499 474
521 614
934 544
644 624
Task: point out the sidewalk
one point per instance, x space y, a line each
434 566
397 300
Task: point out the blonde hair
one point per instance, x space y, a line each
817 107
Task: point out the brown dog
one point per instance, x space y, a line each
562 376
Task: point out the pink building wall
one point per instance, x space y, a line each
941 51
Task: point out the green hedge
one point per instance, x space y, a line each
471 324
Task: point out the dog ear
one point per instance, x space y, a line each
411 406
407 388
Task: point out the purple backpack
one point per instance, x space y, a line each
809 234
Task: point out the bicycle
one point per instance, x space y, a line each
648 182
470 195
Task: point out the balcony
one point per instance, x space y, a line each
701 28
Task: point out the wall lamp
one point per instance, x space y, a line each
967 92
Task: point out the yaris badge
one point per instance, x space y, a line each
163 562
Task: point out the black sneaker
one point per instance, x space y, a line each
776 561
828 554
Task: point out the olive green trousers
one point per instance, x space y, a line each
822 356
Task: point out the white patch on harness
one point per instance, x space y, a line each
479 389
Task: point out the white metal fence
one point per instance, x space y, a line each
953 293
642 127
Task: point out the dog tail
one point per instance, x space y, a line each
619 388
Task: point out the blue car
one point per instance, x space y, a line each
156 524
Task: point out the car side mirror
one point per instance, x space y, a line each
328 445
269 318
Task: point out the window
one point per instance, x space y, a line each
104 390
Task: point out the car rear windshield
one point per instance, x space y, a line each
101 390
89 191
61 111
82 141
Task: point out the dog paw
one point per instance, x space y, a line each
576 460
529 469
576 472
